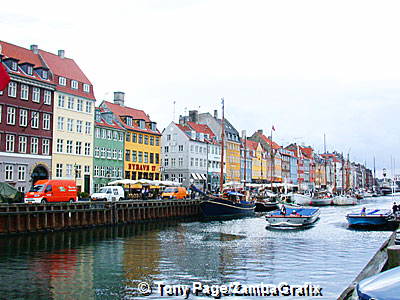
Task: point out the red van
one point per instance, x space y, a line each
52 191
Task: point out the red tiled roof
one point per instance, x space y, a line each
307 151
136 114
274 145
65 67
201 128
251 145
24 56
183 128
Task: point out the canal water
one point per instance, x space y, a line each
110 262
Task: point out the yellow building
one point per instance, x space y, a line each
142 140
232 161
73 119
259 161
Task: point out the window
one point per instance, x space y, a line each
196 162
59 170
86 88
62 81
47 97
96 152
45 147
109 156
88 128
134 137
121 136
115 156
146 157
152 140
140 156
79 105
180 161
70 125
22 144
128 137
180 148
34 145
129 121
46 121
134 156
78 171
157 158
23 117
157 141
146 139
120 155
60 143
97 133
11 115
44 74
35 119
14 65
115 136
140 139
87 169
9 172
87 148
96 171
152 158
166 162
127 155
78 148
103 134
70 104
103 152
166 149
36 95
109 134
79 126
68 170
69 146
29 70
74 84
21 173
180 178
88 107
61 101
10 142
60 123
12 89
24 92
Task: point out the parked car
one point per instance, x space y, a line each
109 193
174 193
45 191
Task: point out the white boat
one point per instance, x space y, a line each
292 217
344 200
321 201
300 199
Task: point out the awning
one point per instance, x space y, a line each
203 176
194 175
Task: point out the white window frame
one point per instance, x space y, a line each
47 97
35 119
12 89
60 123
88 127
21 173
10 142
69 147
22 143
45 146
86 88
36 94
70 102
87 149
24 92
79 105
70 125
79 126
74 84
46 121
78 148
62 81
59 145
61 100
34 145
11 111
8 172
23 117
59 169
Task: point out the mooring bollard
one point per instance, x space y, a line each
393 256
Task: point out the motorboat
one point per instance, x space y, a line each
290 216
383 286
300 199
344 200
375 217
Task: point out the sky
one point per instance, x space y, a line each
306 67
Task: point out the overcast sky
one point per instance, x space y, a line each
306 67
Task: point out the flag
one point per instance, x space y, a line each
4 77
273 128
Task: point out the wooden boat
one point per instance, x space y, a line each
230 204
344 200
263 205
376 217
292 217
301 199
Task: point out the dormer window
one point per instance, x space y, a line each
14 65
141 124
44 74
74 84
29 70
129 121
153 126
86 88
62 81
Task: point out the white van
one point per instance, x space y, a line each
109 193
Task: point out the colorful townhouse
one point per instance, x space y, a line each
142 146
246 161
108 160
275 156
191 155
26 118
259 162
73 120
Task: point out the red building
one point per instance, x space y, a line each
26 118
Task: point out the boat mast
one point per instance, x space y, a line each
343 169
373 183
221 178
272 160
326 177
245 157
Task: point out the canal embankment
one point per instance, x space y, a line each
27 218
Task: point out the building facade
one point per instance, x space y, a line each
73 121
26 118
142 147
109 137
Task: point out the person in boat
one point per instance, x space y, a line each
363 211
294 212
283 210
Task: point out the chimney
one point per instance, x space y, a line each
35 49
193 116
260 131
119 98
61 53
215 113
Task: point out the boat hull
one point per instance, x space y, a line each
342 200
376 217
321 201
305 217
301 199
264 206
226 208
